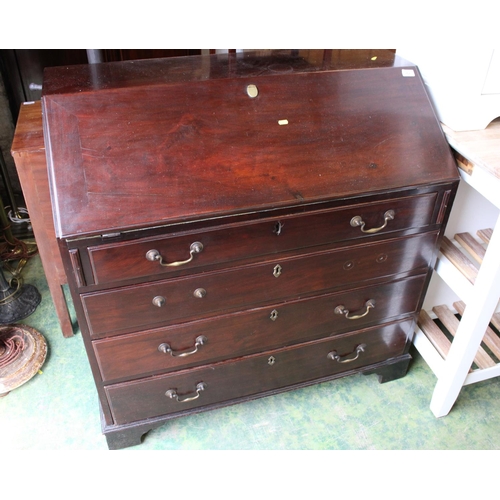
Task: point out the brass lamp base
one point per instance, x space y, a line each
17 303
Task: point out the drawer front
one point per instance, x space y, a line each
257 330
122 261
176 392
167 302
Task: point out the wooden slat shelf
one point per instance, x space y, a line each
435 335
461 261
488 354
466 254
490 339
495 321
451 323
471 246
467 351
463 254
485 235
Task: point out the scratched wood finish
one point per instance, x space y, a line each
131 308
125 154
122 261
160 154
255 374
245 333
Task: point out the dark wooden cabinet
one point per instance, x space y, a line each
22 71
237 225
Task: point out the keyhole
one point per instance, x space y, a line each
271 361
274 315
276 270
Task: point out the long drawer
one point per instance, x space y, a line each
194 250
275 369
257 330
167 302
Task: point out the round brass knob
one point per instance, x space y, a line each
153 255
252 90
199 293
159 301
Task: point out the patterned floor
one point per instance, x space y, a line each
58 409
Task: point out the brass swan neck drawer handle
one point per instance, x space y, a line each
166 349
172 394
357 221
346 359
154 256
369 304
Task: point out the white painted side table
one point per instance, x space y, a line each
467 350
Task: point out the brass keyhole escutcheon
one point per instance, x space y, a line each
348 265
252 91
271 360
277 270
381 258
274 315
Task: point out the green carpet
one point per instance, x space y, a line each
58 409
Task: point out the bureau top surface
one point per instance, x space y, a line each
145 143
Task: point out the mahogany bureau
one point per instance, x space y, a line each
233 226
